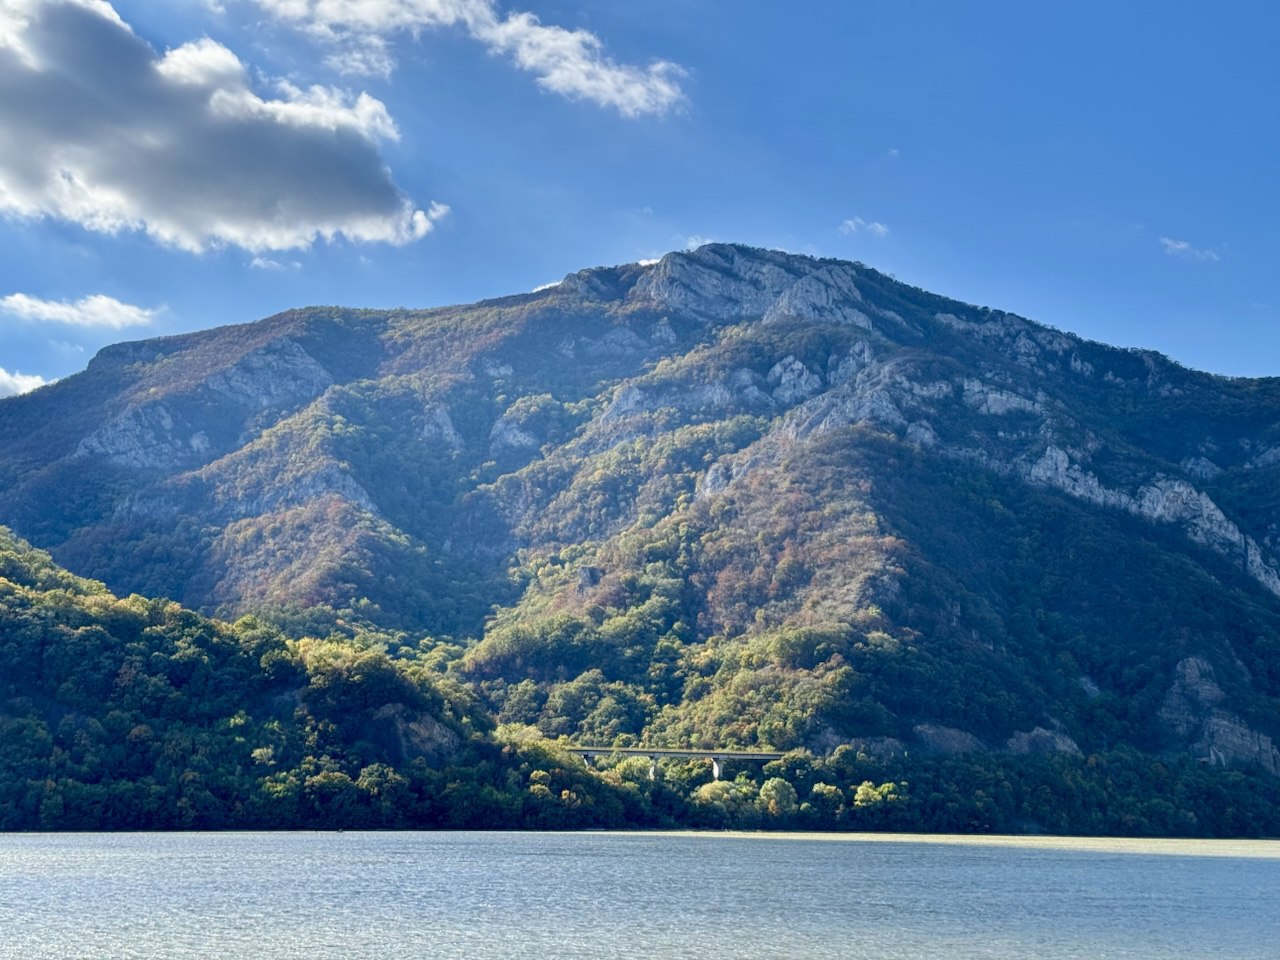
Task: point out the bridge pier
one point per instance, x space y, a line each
718 757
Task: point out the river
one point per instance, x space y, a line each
593 895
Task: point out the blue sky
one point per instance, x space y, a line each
169 165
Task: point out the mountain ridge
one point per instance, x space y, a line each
691 478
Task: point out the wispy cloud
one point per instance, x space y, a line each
14 383
694 241
92 311
266 263
858 225
571 63
1183 249
361 56
98 129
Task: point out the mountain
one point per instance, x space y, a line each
731 497
131 713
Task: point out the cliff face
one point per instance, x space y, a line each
744 494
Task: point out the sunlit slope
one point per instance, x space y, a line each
731 497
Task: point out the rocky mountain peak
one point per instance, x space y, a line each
726 282
739 478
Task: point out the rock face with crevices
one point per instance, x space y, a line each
730 489
1195 710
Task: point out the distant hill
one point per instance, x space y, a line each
732 497
129 713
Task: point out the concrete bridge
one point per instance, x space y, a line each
717 757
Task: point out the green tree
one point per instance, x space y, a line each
778 798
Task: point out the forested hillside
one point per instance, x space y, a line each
998 576
136 714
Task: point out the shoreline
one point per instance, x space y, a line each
1253 849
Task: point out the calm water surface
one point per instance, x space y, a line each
502 895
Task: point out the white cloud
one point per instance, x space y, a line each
363 57
1183 249
894 151
92 311
98 129
266 263
546 286
16 16
568 62
433 215
694 241
374 16
858 225
14 383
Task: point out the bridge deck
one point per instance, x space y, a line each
680 752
